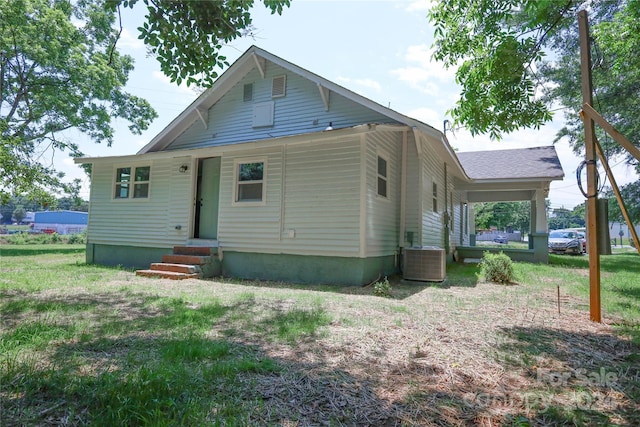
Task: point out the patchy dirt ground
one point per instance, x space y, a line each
434 355
443 355
487 355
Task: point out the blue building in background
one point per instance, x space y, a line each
61 222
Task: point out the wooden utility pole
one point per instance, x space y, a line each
590 157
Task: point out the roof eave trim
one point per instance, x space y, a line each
251 58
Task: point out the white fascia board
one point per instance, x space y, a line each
305 138
502 184
249 60
205 101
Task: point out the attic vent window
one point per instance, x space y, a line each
279 86
248 92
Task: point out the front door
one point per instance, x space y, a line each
207 197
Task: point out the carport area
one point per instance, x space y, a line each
509 176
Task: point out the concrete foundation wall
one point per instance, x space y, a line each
307 269
125 256
280 267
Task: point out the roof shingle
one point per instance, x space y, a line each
536 162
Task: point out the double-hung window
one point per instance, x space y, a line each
132 182
250 183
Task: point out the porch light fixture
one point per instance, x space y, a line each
184 168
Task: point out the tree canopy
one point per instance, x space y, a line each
631 195
503 215
517 60
60 69
186 36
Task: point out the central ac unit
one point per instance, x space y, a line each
425 264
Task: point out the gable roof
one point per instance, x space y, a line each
255 57
524 163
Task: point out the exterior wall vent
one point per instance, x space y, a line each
426 264
279 86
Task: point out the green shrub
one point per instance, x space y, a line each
382 289
497 268
45 239
77 238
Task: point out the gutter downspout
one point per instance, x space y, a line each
403 191
418 143
446 214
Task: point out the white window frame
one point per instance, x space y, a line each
132 183
384 157
434 191
236 181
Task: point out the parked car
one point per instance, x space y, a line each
583 238
565 242
501 239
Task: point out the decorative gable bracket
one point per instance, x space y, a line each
324 94
261 64
204 117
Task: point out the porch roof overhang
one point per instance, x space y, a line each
509 175
502 191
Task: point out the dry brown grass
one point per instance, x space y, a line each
480 354
446 359
438 355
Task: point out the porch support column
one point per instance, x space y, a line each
539 237
472 224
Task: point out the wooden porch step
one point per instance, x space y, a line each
173 275
177 268
192 250
185 259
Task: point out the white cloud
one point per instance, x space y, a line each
130 40
366 83
159 75
68 161
426 115
369 83
422 72
419 6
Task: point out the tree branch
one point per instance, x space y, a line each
113 46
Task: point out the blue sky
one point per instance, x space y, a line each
380 49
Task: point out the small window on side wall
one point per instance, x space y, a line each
435 197
132 182
250 181
383 179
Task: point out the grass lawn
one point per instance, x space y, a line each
89 345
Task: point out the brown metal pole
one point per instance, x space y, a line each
590 157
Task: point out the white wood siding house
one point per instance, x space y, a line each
288 175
